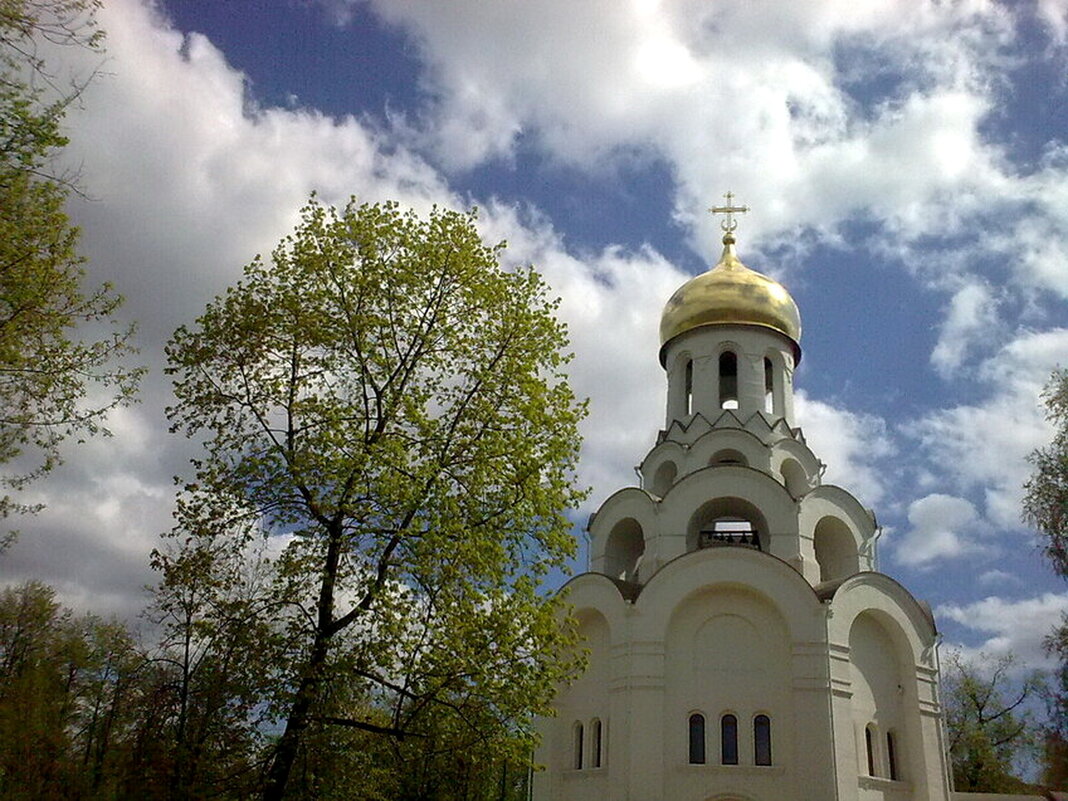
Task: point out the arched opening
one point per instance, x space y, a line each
623 550
596 751
697 739
729 456
727 521
664 478
728 740
688 386
577 733
728 380
836 550
762 740
769 386
794 478
869 747
891 756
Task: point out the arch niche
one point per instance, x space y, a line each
623 550
836 549
877 664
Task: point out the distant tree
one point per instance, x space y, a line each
216 662
1045 508
391 402
54 382
68 699
989 724
1046 491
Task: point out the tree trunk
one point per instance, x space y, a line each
285 753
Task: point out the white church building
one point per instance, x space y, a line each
742 646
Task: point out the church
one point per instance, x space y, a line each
741 644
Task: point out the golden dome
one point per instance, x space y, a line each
731 294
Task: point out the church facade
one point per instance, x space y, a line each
741 644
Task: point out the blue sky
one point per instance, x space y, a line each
906 164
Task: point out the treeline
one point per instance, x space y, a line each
88 712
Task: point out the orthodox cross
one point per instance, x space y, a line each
729 223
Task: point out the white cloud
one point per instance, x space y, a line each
998 578
972 312
591 81
1054 13
855 447
1010 626
941 526
983 445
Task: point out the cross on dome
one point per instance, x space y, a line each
728 224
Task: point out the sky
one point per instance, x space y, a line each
905 162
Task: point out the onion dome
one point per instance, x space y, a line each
731 294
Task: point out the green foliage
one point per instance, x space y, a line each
47 371
1046 491
67 704
989 724
391 405
216 660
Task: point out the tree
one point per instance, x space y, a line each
389 403
1046 491
216 661
1045 508
47 370
989 725
68 701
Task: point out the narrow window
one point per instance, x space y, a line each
728 380
769 386
728 732
891 755
870 746
597 741
697 739
762 740
578 746
689 386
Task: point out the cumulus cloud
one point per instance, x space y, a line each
595 81
941 526
1010 626
972 311
983 445
855 447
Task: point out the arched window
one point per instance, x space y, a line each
728 740
891 755
769 386
869 745
728 380
577 762
689 386
697 739
762 740
598 741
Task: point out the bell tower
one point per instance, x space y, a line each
730 339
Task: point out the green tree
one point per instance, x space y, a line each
216 659
392 403
1046 491
67 699
54 382
1045 508
989 724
